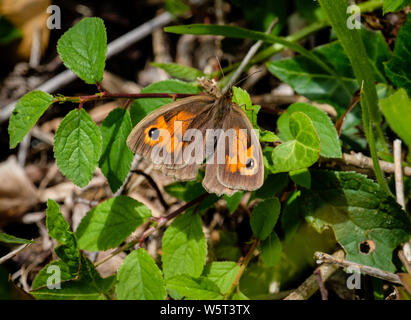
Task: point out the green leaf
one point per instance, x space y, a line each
264 217
176 7
367 222
83 49
46 274
194 289
77 147
234 201
236 32
271 250
227 247
179 71
303 151
110 223
184 247
313 82
139 278
301 177
330 144
222 273
26 113
7 238
8 32
397 111
290 217
242 98
240 296
142 107
398 68
273 185
334 88
59 229
116 157
394 5
88 286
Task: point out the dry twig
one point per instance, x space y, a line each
374 272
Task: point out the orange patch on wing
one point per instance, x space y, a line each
175 127
242 155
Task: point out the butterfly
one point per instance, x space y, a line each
207 129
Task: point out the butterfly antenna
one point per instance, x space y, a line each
246 77
219 64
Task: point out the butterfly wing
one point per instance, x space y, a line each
242 167
159 136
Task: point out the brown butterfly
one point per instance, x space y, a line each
207 129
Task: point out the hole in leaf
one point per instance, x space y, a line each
366 247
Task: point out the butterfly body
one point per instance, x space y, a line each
207 129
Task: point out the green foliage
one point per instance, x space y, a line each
222 273
184 247
8 32
301 177
368 223
116 157
330 144
142 107
395 5
242 98
301 152
355 49
77 147
139 278
7 238
179 71
398 68
194 288
397 110
335 88
234 201
264 217
89 285
271 250
110 223
59 229
83 49
26 113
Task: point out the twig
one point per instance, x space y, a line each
155 187
240 272
404 260
23 150
250 54
14 252
361 161
371 271
310 285
113 48
160 222
399 183
323 290
35 54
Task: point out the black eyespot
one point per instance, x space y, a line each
250 163
154 133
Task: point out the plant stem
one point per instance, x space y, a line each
240 272
160 222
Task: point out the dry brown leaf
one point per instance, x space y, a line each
17 192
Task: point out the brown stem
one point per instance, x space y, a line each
240 272
107 95
160 222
